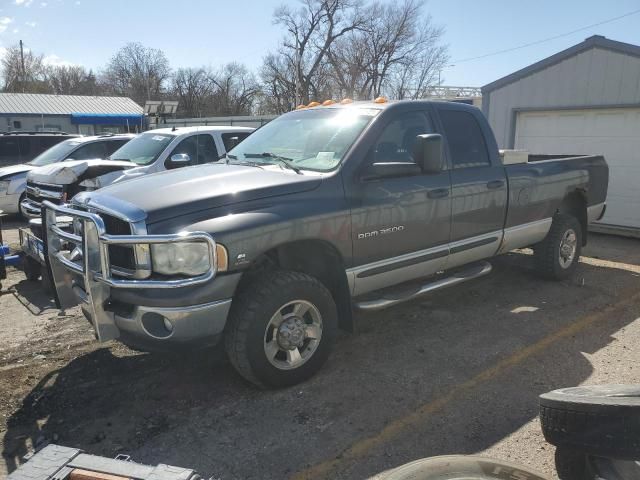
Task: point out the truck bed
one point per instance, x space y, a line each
538 187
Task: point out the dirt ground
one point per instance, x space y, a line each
458 371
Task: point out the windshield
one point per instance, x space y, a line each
144 149
56 153
308 139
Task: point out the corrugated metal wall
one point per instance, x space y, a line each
596 77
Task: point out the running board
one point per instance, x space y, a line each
469 273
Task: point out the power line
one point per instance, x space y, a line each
537 42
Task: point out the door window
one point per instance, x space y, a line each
113 145
87 152
230 140
465 139
399 137
200 148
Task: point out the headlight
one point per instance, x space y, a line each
4 186
186 258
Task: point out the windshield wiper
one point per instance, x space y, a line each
229 156
283 160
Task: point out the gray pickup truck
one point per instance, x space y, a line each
315 215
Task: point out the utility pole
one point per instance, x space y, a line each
24 74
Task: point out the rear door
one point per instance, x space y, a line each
400 224
478 182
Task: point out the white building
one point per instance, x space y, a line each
583 100
69 113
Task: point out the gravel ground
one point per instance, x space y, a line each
458 371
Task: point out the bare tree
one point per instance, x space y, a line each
278 84
193 88
236 90
398 52
311 31
72 80
138 72
30 80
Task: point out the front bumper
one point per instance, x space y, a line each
88 279
30 208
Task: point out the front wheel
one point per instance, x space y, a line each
557 256
281 329
32 268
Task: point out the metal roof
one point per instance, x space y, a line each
596 41
31 103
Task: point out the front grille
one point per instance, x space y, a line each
120 256
38 192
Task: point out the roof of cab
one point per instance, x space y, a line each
106 136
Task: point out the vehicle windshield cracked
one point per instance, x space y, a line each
309 139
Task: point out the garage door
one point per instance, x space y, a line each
614 133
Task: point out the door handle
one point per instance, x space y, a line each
438 193
493 184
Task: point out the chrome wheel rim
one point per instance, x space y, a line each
568 248
293 334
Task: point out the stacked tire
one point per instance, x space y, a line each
592 421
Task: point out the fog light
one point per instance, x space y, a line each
157 325
168 325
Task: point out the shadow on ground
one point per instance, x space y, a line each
196 412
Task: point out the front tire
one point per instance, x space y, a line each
21 212
556 257
281 329
32 268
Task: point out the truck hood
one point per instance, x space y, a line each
6 172
174 193
72 171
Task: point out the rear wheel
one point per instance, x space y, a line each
557 256
281 329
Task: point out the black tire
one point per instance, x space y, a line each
459 467
602 420
547 254
21 213
47 282
571 464
251 314
32 268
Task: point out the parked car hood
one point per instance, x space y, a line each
6 172
72 171
186 190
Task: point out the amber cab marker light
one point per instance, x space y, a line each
313 104
345 101
326 103
300 107
380 100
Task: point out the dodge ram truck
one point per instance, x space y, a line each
318 213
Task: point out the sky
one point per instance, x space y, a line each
213 32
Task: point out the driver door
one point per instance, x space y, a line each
401 225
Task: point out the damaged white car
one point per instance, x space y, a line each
150 152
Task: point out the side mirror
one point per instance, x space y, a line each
391 169
427 152
178 160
